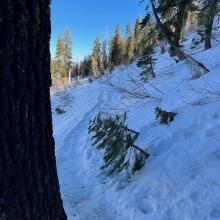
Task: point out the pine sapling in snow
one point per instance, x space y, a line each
163 116
59 110
112 135
147 62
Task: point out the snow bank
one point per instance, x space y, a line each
180 180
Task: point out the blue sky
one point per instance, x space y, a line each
88 18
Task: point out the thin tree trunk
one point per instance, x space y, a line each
181 17
29 188
212 5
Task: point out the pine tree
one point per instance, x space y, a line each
67 51
208 10
137 36
58 61
29 188
116 48
197 67
53 68
113 135
146 60
94 67
96 57
174 14
129 47
87 65
63 56
163 116
104 57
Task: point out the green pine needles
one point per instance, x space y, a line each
163 116
59 110
112 135
146 62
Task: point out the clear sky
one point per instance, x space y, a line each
88 18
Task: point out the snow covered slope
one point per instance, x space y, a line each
181 179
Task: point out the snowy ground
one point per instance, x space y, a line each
181 179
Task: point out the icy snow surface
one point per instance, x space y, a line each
181 179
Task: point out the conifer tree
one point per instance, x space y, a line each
207 12
137 36
53 68
58 69
87 65
104 57
116 48
129 46
197 67
146 60
63 56
117 140
174 14
94 67
96 57
67 51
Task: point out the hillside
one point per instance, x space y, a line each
180 180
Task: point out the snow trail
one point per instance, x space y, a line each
83 202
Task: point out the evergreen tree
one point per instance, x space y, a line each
146 60
94 67
29 188
58 64
116 48
207 12
96 57
53 68
67 51
104 57
87 65
174 14
63 56
163 116
129 47
112 135
197 67
137 36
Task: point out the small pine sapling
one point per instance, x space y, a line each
59 110
146 62
117 141
163 116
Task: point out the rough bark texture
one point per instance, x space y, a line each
180 18
29 186
212 6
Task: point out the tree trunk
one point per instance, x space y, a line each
197 67
29 188
212 5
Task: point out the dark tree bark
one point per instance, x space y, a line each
178 24
29 188
211 7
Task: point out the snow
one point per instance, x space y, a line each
180 180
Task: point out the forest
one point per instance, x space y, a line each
127 129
